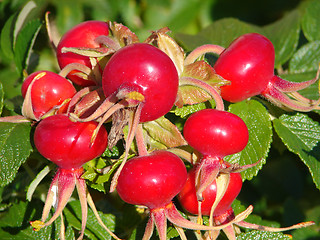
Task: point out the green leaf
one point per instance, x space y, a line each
301 135
96 179
306 59
257 119
221 32
93 229
284 35
181 14
7 37
21 19
161 132
1 97
11 85
15 224
310 21
252 218
311 232
15 147
24 43
11 29
186 110
262 235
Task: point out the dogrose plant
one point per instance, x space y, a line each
145 124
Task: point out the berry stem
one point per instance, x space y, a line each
181 233
112 110
206 87
132 126
287 86
82 188
182 154
160 221
199 51
149 229
281 99
142 148
108 42
75 66
103 108
206 172
273 229
62 228
230 233
222 184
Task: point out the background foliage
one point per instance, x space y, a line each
284 188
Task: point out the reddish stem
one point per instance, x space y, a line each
273 229
199 51
142 148
205 174
82 189
206 87
287 86
132 126
160 221
281 99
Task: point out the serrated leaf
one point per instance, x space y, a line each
189 109
172 49
22 18
93 229
15 147
7 37
24 43
310 21
164 132
257 119
15 224
306 59
262 235
96 179
284 35
301 135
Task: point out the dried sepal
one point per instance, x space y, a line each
122 34
172 49
201 70
192 91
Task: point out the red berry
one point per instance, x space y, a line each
249 64
67 143
152 180
188 199
48 90
216 133
146 69
80 36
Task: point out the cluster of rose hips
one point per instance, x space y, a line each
107 75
